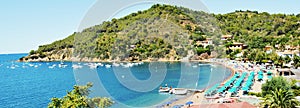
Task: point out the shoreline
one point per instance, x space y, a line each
112 61
201 96
180 100
226 66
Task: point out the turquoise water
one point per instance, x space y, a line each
34 84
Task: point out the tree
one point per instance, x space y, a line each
296 60
31 52
254 29
188 27
287 59
280 98
275 83
78 98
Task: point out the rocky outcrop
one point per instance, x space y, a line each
64 54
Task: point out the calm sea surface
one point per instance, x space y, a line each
25 85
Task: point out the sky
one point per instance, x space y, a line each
26 24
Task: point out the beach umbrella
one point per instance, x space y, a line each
173 100
232 90
221 89
168 103
270 77
269 73
260 77
189 103
160 106
227 84
178 106
245 88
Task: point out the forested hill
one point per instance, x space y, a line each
260 29
166 32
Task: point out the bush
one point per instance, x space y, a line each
296 92
32 52
78 98
275 83
255 94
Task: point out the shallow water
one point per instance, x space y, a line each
34 84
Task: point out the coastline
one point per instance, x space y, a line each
183 99
199 98
196 95
226 66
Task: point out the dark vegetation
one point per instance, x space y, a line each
165 31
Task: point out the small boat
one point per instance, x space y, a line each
51 67
116 64
24 66
76 66
164 89
107 66
204 65
92 65
178 91
31 65
62 65
128 65
13 67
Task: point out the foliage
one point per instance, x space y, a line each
275 83
201 50
31 52
255 94
78 98
280 93
250 27
295 88
296 60
280 98
58 45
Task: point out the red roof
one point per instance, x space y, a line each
225 105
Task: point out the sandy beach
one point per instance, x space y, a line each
199 98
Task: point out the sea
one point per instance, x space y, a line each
33 84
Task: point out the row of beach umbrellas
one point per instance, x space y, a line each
249 82
260 75
175 106
238 83
212 89
228 83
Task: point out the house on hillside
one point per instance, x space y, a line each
285 72
226 37
237 46
268 49
289 73
288 53
205 43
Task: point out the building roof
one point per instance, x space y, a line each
288 52
268 46
284 70
237 43
296 72
227 36
225 105
208 38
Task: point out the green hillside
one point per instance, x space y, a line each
171 33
